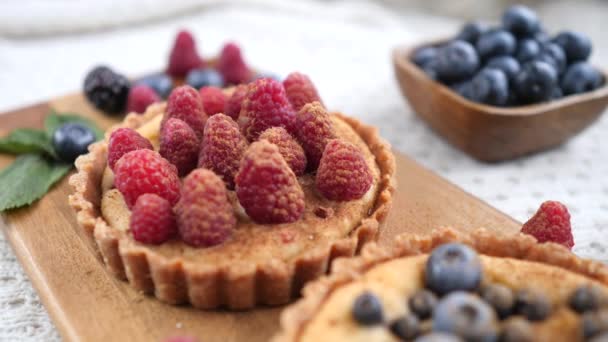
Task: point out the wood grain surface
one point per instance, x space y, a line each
86 303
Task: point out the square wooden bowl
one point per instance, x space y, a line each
494 133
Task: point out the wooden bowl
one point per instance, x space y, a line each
494 133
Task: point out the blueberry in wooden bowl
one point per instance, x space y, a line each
505 91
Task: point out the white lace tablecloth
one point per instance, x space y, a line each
345 48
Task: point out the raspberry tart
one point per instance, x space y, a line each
454 286
238 209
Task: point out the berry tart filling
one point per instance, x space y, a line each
236 209
454 286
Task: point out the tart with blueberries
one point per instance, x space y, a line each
454 286
234 198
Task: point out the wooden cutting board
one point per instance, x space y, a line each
86 303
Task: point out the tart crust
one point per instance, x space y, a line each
241 286
346 270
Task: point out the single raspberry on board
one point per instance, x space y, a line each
222 148
265 105
140 97
232 108
152 219
213 100
266 187
179 145
289 148
343 174
551 223
185 103
184 56
122 141
300 90
314 130
204 214
146 172
232 66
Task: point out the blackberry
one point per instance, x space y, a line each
107 90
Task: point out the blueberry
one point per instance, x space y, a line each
199 78
533 305
496 43
71 140
490 86
554 55
520 20
471 31
462 88
367 309
160 82
535 82
557 93
500 298
406 327
581 77
422 303
456 61
541 37
465 315
585 298
516 329
527 49
594 323
576 45
438 337
424 55
507 64
452 267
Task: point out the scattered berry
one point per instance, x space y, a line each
265 105
160 82
406 327
184 56
456 61
465 315
199 78
551 223
527 49
490 86
422 303
424 55
179 145
516 329
213 100
507 64
500 297
266 187
586 298
314 130
107 90
471 31
140 97
152 219
185 104
291 151
300 90
367 309
495 43
581 77
520 20
535 82
145 171
204 213
232 108
222 148
71 140
453 267
343 173
123 141
232 66
532 304
576 46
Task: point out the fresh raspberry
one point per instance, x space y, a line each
122 141
185 103
232 66
140 97
266 187
222 148
204 214
551 223
314 130
179 145
233 104
300 90
343 174
289 148
265 106
152 220
184 56
146 172
213 100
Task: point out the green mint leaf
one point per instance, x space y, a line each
27 179
26 140
54 120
